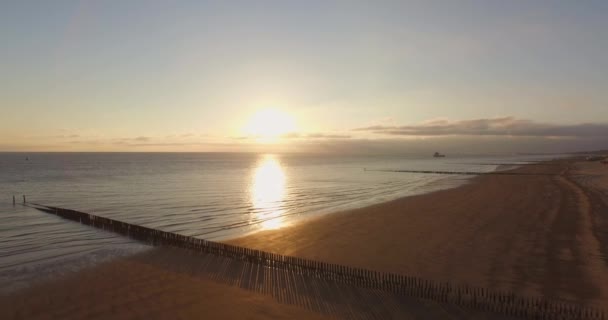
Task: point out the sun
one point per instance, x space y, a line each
269 125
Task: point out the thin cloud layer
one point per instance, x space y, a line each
478 136
504 126
300 136
315 135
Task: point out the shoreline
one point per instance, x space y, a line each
492 232
532 235
347 209
365 207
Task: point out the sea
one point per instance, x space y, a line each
215 196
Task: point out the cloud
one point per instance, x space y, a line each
315 135
241 138
453 145
87 142
504 126
66 136
327 136
299 136
380 144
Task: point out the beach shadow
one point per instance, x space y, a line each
326 288
316 294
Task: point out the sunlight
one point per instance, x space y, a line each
269 124
267 192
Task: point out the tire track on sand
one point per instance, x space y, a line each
586 247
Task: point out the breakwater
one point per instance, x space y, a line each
468 173
501 303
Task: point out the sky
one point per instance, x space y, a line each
326 76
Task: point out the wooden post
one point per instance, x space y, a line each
23 199
14 202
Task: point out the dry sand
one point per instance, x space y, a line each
538 235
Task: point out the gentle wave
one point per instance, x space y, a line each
214 196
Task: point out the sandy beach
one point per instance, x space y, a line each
540 234
139 288
375 160
537 235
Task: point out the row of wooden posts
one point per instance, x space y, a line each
15 200
469 173
461 295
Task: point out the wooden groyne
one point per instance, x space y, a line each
507 164
469 173
497 302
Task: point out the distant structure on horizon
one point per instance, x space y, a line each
596 158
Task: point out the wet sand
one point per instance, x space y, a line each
537 235
141 288
173 283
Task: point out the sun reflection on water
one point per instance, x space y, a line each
267 193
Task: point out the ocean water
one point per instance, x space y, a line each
208 195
